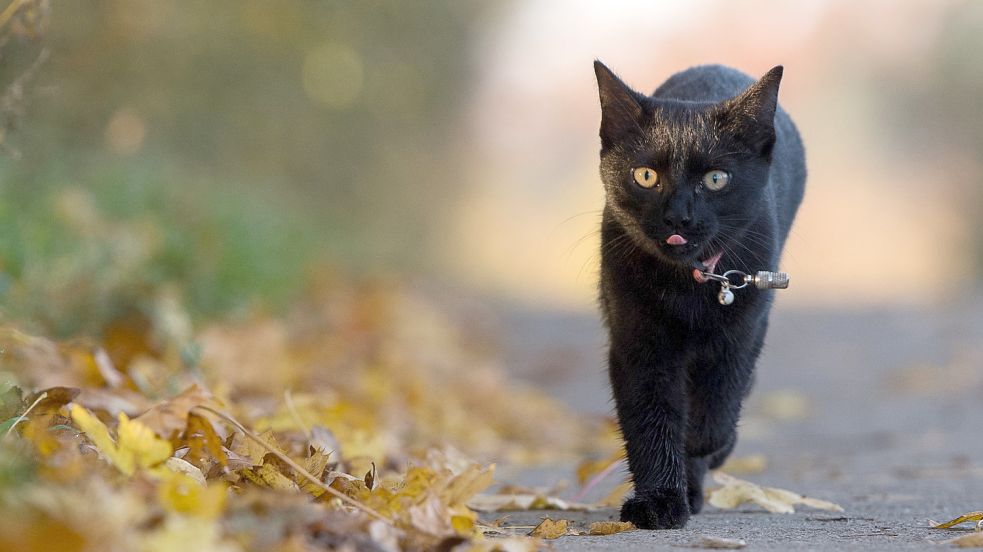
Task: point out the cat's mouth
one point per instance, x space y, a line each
680 249
709 265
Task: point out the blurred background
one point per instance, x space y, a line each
227 156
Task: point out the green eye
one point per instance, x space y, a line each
716 180
645 177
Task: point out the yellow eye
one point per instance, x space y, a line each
645 177
716 180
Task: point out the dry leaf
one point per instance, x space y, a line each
550 529
720 543
973 540
745 465
187 534
269 475
203 443
971 516
54 398
785 405
182 494
136 445
499 502
610 527
179 465
170 417
738 491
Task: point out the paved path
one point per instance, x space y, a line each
880 411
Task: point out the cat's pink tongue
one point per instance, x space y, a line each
676 239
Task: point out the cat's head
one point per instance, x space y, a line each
682 177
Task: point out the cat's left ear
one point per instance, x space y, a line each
752 114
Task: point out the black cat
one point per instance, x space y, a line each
706 172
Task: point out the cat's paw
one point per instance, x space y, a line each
695 496
657 511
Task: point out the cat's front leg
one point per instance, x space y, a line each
719 380
651 404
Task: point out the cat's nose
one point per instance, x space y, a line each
675 219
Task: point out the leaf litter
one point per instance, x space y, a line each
130 444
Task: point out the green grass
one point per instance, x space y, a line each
77 252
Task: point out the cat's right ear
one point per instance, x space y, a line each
621 113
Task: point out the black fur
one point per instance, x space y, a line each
680 363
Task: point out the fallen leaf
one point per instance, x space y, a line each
973 540
719 543
54 398
187 534
113 401
971 516
136 445
511 544
183 494
269 475
204 444
179 465
738 491
499 502
369 478
550 529
610 527
745 465
170 417
785 405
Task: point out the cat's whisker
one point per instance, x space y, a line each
573 247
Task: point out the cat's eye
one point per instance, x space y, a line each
645 177
716 180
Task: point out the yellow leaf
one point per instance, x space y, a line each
463 520
268 475
550 529
140 442
136 446
247 448
971 516
587 469
744 465
610 527
314 464
186 534
181 494
780 501
203 443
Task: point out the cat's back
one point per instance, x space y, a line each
704 83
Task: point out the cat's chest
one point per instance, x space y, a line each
653 298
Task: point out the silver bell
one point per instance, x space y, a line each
726 296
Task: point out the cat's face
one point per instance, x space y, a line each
684 178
